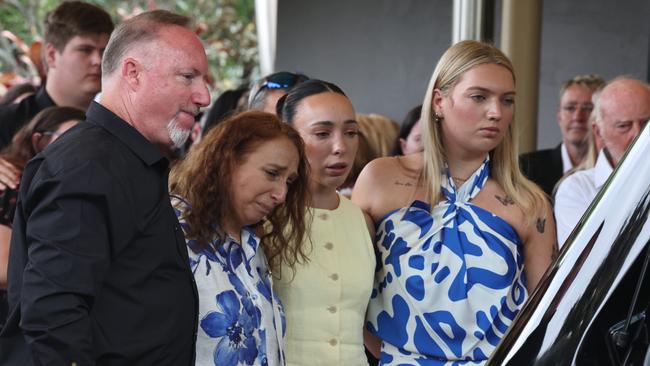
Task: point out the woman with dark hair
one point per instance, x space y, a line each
326 297
409 139
227 104
234 194
31 139
462 236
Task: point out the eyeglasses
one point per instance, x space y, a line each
280 80
572 108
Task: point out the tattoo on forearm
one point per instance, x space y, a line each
506 200
540 225
555 253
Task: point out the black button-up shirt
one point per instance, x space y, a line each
14 116
98 270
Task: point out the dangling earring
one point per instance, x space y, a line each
437 118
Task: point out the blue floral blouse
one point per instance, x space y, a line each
241 321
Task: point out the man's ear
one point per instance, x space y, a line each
597 133
50 54
131 72
598 137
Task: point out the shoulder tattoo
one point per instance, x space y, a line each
505 200
540 225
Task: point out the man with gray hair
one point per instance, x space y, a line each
622 109
98 270
546 167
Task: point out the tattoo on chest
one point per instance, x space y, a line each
540 225
505 200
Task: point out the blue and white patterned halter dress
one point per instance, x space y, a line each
449 281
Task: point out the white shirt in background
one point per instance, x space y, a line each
575 194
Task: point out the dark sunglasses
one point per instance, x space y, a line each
281 80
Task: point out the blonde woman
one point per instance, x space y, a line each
380 132
462 236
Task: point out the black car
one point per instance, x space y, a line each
592 306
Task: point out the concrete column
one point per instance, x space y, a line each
468 20
520 40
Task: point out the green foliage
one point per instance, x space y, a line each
227 28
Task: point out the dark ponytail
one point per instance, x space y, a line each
287 105
279 106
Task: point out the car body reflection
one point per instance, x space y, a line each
590 308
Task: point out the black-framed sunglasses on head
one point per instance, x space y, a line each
280 80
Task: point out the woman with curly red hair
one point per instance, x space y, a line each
234 194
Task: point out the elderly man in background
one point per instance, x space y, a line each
622 110
98 270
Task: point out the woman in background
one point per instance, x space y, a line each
409 139
234 194
376 136
230 102
462 236
326 297
31 139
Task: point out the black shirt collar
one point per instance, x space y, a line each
126 133
43 100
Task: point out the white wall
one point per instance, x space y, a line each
380 52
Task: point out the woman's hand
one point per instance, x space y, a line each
9 175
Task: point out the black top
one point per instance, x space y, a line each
8 198
7 208
99 272
543 167
14 116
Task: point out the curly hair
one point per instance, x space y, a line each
204 179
